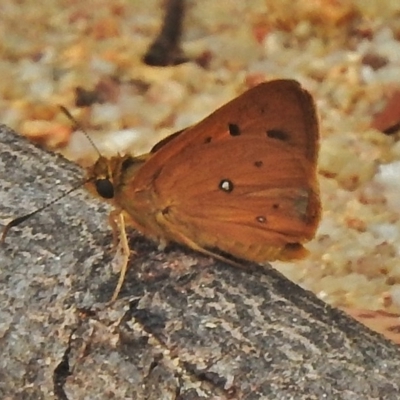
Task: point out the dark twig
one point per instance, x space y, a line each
165 50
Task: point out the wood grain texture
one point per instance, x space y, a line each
185 326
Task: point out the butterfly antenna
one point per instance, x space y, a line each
79 126
23 218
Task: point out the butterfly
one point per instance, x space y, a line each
242 182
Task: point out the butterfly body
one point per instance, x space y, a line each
241 182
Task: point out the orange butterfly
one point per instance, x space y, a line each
242 182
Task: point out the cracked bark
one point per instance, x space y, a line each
185 326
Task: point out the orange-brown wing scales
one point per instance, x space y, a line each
259 161
272 203
280 108
265 214
268 173
243 180
259 233
230 237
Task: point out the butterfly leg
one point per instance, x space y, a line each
113 221
117 223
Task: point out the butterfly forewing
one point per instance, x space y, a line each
280 109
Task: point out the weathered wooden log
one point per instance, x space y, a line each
185 326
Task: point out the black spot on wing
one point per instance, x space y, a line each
278 134
234 129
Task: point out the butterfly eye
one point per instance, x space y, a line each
105 188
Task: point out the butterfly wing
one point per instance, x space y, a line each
258 206
243 180
279 109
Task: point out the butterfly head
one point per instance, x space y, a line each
108 174
101 178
